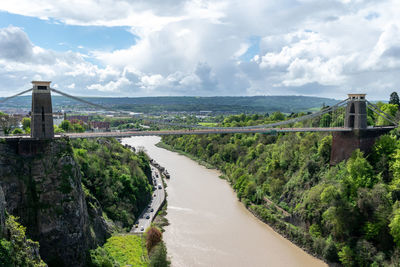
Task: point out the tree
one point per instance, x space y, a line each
159 256
17 131
394 99
66 126
26 123
153 237
78 128
389 109
395 224
7 122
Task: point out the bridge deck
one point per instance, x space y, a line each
203 131
198 131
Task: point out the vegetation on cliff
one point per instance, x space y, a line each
16 249
348 213
115 176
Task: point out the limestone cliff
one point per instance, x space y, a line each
42 185
2 212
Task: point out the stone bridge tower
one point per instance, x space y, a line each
42 111
356 112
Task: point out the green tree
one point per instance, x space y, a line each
7 122
158 257
395 224
394 99
359 174
26 123
66 126
325 120
17 131
78 128
389 109
346 256
277 116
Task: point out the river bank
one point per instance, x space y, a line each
208 226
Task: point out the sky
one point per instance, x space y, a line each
326 48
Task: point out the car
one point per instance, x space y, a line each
149 206
147 216
159 186
136 225
141 228
151 210
154 195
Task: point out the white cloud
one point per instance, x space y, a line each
112 86
194 47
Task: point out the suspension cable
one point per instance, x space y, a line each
10 97
379 114
377 108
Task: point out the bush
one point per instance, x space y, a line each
153 237
17 131
101 258
158 257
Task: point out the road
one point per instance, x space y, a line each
157 199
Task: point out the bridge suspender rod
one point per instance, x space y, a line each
310 116
8 98
115 110
377 108
379 114
85 101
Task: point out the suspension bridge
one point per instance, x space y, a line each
346 116
346 120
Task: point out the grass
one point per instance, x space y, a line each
208 124
128 250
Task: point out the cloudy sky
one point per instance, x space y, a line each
204 48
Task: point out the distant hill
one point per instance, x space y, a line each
220 104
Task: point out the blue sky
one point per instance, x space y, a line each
202 47
57 36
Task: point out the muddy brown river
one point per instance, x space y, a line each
208 225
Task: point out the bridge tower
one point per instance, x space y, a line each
361 137
42 111
356 112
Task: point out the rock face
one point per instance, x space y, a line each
2 212
42 185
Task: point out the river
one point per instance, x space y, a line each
208 225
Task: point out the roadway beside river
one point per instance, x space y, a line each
157 200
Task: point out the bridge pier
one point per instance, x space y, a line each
344 143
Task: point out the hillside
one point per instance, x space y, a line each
222 104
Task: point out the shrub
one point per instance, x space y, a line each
153 237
